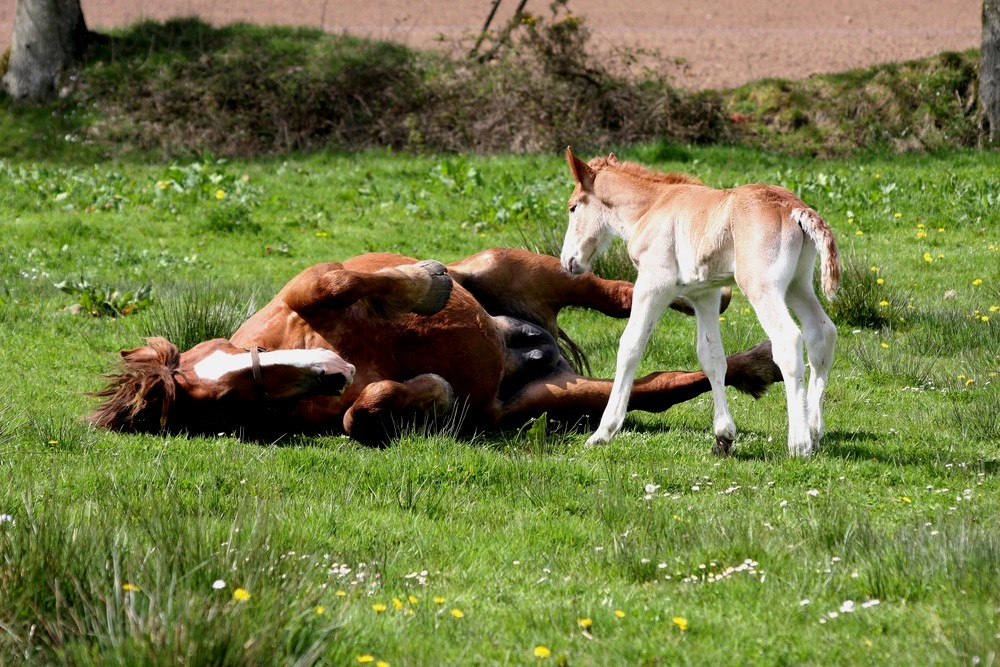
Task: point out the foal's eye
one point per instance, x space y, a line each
572 207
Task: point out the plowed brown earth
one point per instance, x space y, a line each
718 43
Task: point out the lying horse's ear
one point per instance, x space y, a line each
157 350
582 172
612 160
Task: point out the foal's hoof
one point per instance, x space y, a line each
439 290
723 446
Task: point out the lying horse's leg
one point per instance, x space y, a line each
534 287
386 407
421 288
569 397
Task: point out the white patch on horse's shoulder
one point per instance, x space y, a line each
220 363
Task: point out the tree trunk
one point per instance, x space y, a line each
49 39
989 69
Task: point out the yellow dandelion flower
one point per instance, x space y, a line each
897 214
885 346
859 233
921 234
379 607
874 269
220 194
541 651
241 595
381 663
365 659
977 282
928 257
585 623
970 381
681 623
994 309
883 303
880 281
397 604
619 613
322 235
413 599
985 318
320 610
53 442
905 499
130 588
439 600
457 613
341 594
920 225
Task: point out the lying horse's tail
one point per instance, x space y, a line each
822 237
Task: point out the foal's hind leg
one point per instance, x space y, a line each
786 348
820 337
713 361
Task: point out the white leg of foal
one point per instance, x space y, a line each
647 307
786 348
713 362
820 336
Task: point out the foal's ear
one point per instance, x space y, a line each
612 160
582 172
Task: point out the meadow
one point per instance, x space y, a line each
513 548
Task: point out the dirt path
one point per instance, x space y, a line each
720 43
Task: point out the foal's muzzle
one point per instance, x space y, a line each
573 265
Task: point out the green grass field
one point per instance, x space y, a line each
521 548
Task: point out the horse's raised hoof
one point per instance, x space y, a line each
439 291
723 446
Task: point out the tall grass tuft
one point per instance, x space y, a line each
862 301
58 431
91 590
191 313
979 418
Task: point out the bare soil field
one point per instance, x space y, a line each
710 43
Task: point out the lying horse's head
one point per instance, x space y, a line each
214 385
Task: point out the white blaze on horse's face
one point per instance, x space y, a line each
316 363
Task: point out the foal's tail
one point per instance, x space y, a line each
822 237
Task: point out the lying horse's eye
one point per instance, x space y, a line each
572 207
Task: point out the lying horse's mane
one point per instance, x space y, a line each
639 171
140 394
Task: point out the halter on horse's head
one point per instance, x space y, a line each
214 385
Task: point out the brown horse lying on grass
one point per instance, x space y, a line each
381 341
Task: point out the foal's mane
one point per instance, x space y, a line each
139 394
638 171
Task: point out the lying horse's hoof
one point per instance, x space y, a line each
439 291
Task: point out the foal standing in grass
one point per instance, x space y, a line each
688 239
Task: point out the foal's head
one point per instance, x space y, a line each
592 205
589 232
212 386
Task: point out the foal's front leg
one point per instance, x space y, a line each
648 303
